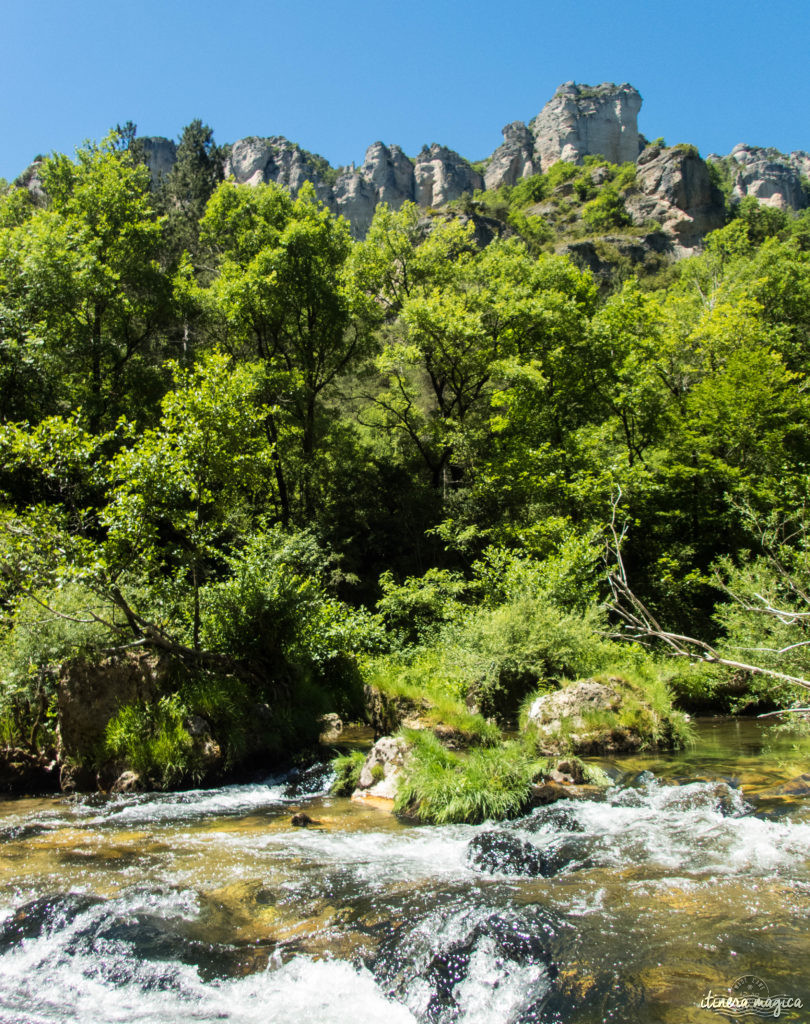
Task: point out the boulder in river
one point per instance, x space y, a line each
382 770
501 852
610 715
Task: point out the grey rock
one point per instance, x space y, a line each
441 175
331 727
91 694
390 173
770 176
256 161
382 769
582 120
800 161
572 701
501 852
159 155
127 782
355 198
601 256
30 180
513 160
674 188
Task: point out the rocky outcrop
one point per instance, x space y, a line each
582 120
255 161
90 694
770 176
441 175
30 180
648 252
386 176
674 187
390 173
675 190
594 717
159 155
355 199
513 160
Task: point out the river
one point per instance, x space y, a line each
692 872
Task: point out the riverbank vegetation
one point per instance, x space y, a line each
250 467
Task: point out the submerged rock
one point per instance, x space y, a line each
302 820
501 963
558 816
504 853
498 851
41 915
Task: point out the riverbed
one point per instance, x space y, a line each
692 872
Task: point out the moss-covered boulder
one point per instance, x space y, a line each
605 715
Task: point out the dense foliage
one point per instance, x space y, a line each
287 461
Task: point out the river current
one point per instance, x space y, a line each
691 873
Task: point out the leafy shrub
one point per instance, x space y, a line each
272 611
414 609
567 577
606 212
507 650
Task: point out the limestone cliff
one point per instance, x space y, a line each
673 186
773 178
674 189
581 120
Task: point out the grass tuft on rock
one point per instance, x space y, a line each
442 787
347 768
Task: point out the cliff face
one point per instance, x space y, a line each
673 185
675 190
581 120
773 178
436 177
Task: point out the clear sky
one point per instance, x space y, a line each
336 76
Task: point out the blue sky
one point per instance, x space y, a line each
335 77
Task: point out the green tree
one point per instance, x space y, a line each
186 189
83 298
282 294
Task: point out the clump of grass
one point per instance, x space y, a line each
428 683
442 787
347 768
153 741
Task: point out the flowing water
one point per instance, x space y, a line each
693 871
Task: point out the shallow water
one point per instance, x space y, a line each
210 906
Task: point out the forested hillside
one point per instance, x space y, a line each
253 470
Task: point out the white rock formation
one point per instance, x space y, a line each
582 120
